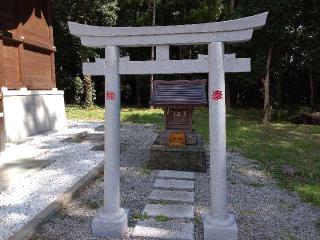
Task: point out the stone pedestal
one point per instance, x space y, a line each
104 225
187 158
220 230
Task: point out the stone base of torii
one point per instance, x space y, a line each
112 220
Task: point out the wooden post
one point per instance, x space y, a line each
2 77
23 81
52 60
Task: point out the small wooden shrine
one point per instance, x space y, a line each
178 98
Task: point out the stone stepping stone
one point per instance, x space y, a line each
168 195
170 211
163 230
176 174
174 183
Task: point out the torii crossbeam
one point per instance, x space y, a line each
112 221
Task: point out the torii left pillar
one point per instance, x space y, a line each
111 220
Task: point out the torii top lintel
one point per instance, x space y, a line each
238 30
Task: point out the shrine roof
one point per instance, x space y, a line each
179 93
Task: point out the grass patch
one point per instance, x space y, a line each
161 218
131 115
94 204
276 145
256 185
289 206
287 235
163 202
140 217
137 115
76 112
144 171
309 192
271 145
197 220
317 223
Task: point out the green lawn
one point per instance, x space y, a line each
272 146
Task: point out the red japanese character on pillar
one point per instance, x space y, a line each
216 95
110 95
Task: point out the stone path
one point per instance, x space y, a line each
170 208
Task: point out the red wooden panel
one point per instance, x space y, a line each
34 20
37 70
37 36
11 66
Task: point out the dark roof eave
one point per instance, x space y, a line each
178 105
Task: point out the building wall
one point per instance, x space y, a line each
32 112
30 102
26 45
2 130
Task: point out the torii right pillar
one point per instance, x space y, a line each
218 223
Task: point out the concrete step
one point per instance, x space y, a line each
175 174
170 211
167 195
163 230
174 184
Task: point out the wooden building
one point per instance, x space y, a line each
29 102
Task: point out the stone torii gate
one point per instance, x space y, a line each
112 220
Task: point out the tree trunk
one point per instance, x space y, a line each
138 80
228 94
88 98
311 83
232 5
228 97
279 96
266 86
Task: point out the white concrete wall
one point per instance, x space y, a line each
28 113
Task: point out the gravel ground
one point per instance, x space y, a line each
69 161
74 221
262 210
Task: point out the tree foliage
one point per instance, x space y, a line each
292 30
292 33
70 53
